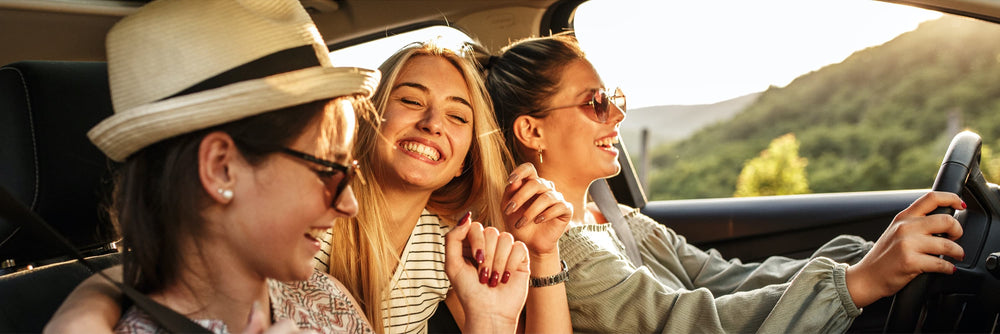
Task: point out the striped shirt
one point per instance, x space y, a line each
419 282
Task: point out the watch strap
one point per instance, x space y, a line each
562 276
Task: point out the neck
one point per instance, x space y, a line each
404 211
574 190
212 285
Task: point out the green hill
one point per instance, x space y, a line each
881 119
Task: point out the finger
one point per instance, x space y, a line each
932 200
936 264
522 171
476 243
500 256
490 235
944 224
940 246
454 258
518 258
529 189
559 209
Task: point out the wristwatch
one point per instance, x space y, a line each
562 276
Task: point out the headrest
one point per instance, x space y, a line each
46 159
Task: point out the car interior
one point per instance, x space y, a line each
53 89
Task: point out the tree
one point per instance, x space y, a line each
777 171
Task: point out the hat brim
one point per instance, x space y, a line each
131 130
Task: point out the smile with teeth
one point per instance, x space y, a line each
316 233
606 142
428 152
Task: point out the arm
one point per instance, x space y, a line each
93 307
538 215
607 294
696 268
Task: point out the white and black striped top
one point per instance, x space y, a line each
419 282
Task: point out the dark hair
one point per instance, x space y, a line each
524 76
158 195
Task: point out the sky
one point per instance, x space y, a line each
668 52
690 52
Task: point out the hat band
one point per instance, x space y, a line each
283 61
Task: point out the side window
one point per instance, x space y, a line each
780 97
371 54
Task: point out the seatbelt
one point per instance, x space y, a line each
601 193
172 321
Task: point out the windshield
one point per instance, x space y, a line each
735 98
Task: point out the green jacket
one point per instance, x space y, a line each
683 289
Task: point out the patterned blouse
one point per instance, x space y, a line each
419 282
317 304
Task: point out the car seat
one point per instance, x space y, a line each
49 165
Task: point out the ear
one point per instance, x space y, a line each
528 131
217 155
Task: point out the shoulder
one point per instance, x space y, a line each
320 302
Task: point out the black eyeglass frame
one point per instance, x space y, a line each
349 171
602 107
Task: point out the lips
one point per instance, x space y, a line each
606 142
426 151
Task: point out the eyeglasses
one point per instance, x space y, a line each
332 172
601 103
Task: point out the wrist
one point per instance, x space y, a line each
489 322
861 292
536 281
545 264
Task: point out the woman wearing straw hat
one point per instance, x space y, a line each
250 115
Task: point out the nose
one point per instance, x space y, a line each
346 204
431 122
615 115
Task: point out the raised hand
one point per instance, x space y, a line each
491 302
535 213
907 248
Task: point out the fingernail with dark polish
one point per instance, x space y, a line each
511 178
505 278
465 219
511 206
479 256
494 279
954 269
539 219
484 275
963 205
520 222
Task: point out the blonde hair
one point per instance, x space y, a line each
363 256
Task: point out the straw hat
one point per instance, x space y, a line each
177 66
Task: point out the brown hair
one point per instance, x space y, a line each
524 76
158 196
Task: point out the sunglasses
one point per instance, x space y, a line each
601 104
335 176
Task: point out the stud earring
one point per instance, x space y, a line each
540 160
226 193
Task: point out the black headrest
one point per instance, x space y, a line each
46 160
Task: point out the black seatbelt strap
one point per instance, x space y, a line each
601 193
172 321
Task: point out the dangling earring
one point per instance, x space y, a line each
226 193
540 160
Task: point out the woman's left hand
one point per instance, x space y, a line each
492 304
534 212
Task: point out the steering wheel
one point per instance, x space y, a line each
961 161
